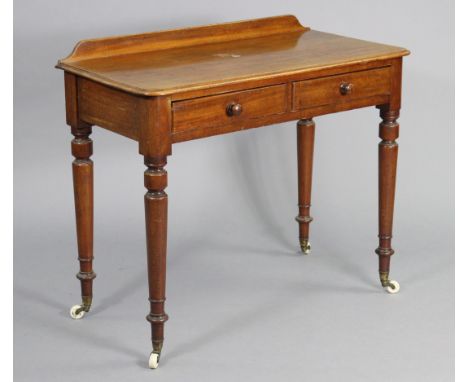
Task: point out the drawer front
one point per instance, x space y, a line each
341 88
229 108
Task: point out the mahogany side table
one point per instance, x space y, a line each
173 86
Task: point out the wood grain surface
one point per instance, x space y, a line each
163 63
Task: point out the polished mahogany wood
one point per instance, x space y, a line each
167 87
211 112
103 106
156 243
82 149
305 155
185 37
217 55
350 86
388 154
246 123
200 71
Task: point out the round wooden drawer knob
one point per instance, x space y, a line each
234 109
345 88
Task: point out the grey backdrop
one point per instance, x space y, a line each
243 303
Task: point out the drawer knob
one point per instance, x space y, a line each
234 109
345 88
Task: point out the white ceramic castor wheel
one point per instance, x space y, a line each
153 361
305 247
76 312
392 287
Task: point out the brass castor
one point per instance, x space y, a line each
153 361
78 311
391 286
305 246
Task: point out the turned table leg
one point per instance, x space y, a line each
305 153
156 239
82 149
388 153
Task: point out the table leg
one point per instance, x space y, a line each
388 153
305 154
156 239
82 149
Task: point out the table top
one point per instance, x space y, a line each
167 62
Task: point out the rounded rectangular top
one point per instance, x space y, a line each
167 62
